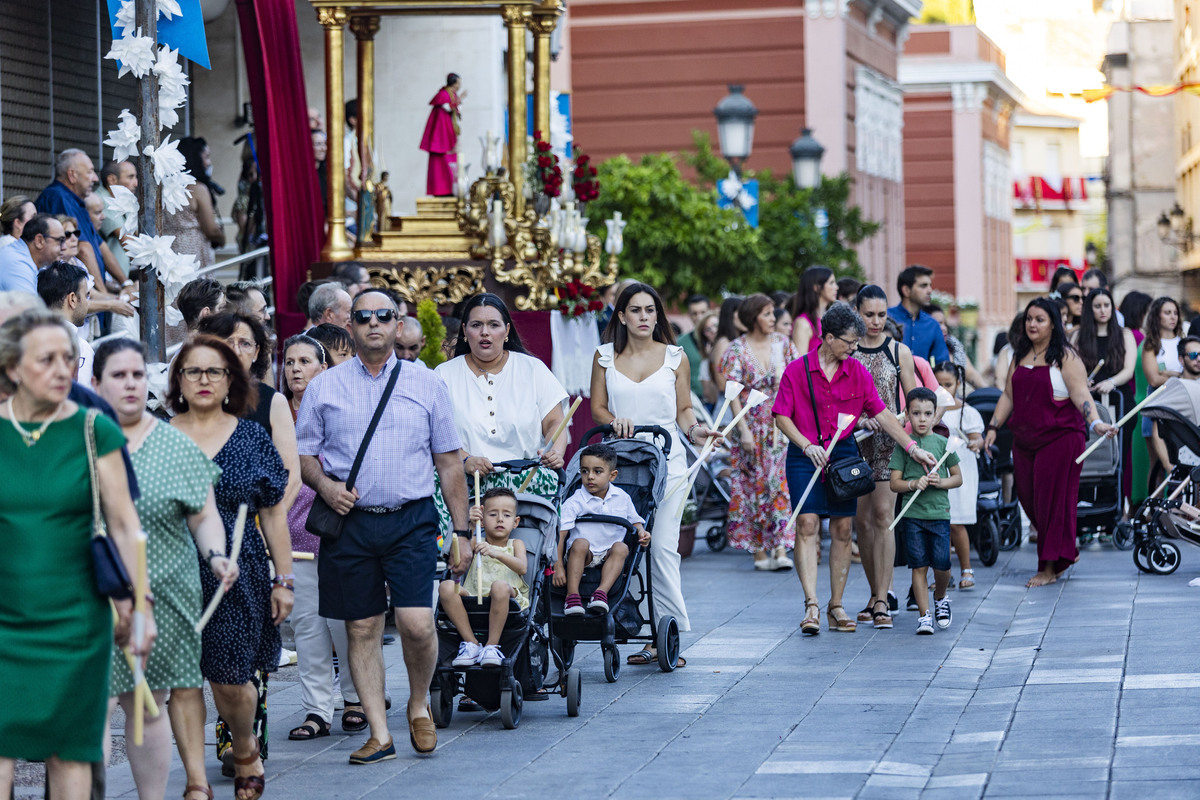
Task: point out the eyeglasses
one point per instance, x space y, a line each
1074 298
363 315
242 345
1192 356
71 234
853 343
59 239
214 374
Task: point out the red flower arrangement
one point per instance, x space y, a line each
545 173
575 299
583 179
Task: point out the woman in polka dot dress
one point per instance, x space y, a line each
176 507
210 391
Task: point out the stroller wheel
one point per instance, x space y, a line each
441 705
511 703
666 638
574 688
1122 537
1164 559
987 540
612 664
716 538
1010 530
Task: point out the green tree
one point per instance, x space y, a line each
435 333
678 239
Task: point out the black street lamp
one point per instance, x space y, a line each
806 160
735 127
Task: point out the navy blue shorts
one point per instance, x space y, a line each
399 548
800 469
926 542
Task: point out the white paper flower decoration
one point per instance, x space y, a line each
172 316
123 205
135 54
166 157
126 16
175 194
168 117
176 269
144 250
169 8
124 140
171 76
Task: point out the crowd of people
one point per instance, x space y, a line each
352 460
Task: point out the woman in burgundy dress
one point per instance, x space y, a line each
441 137
1046 404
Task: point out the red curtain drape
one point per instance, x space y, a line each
292 195
534 327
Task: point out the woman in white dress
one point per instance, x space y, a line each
641 377
506 402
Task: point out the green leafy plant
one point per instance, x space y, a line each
434 330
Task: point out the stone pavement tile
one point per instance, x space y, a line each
816 785
953 793
1167 772
955 764
1164 755
1159 790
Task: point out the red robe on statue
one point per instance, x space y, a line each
441 135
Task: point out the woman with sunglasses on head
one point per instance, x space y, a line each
1100 336
506 402
211 394
1072 297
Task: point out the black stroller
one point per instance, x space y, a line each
994 511
526 637
1161 520
711 496
1099 509
642 473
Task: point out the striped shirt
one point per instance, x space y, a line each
417 422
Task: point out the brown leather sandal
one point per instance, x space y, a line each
255 783
846 625
205 790
812 622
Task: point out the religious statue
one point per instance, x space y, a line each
383 202
441 137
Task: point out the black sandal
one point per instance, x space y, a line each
354 718
881 619
313 727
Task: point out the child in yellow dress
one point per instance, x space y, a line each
503 565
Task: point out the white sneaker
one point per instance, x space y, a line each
287 658
782 561
941 610
925 626
339 702
492 656
468 654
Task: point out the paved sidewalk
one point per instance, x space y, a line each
1087 688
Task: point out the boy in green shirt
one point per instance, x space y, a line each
925 528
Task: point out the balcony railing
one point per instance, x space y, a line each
1039 193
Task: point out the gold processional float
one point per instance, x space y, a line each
489 235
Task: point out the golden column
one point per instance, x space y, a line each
364 29
542 27
335 249
517 19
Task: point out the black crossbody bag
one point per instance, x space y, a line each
322 520
848 477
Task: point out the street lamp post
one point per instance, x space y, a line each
735 127
806 160
1175 229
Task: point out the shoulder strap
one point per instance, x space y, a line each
895 359
89 435
362 448
811 398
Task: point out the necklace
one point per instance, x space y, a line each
484 373
1037 355
137 437
31 437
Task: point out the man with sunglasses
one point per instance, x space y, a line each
391 526
39 246
1189 357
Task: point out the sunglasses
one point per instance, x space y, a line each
71 234
363 315
1074 298
1192 356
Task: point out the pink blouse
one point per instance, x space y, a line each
852 391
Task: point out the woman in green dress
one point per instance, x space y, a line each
56 630
176 507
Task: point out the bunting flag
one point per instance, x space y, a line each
1156 90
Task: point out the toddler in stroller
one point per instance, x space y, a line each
501 562
595 544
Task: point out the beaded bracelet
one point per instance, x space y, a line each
690 430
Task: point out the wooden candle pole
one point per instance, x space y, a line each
238 528
478 538
141 591
552 441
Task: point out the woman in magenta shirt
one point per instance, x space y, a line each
839 385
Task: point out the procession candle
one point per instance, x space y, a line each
1095 369
1121 422
298 556
952 444
732 390
844 422
130 661
238 528
552 441
755 398
478 538
141 590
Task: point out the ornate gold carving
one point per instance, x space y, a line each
515 16
445 285
364 27
332 17
543 26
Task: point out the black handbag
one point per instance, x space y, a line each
112 579
322 520
848 477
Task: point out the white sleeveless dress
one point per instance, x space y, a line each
653 402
